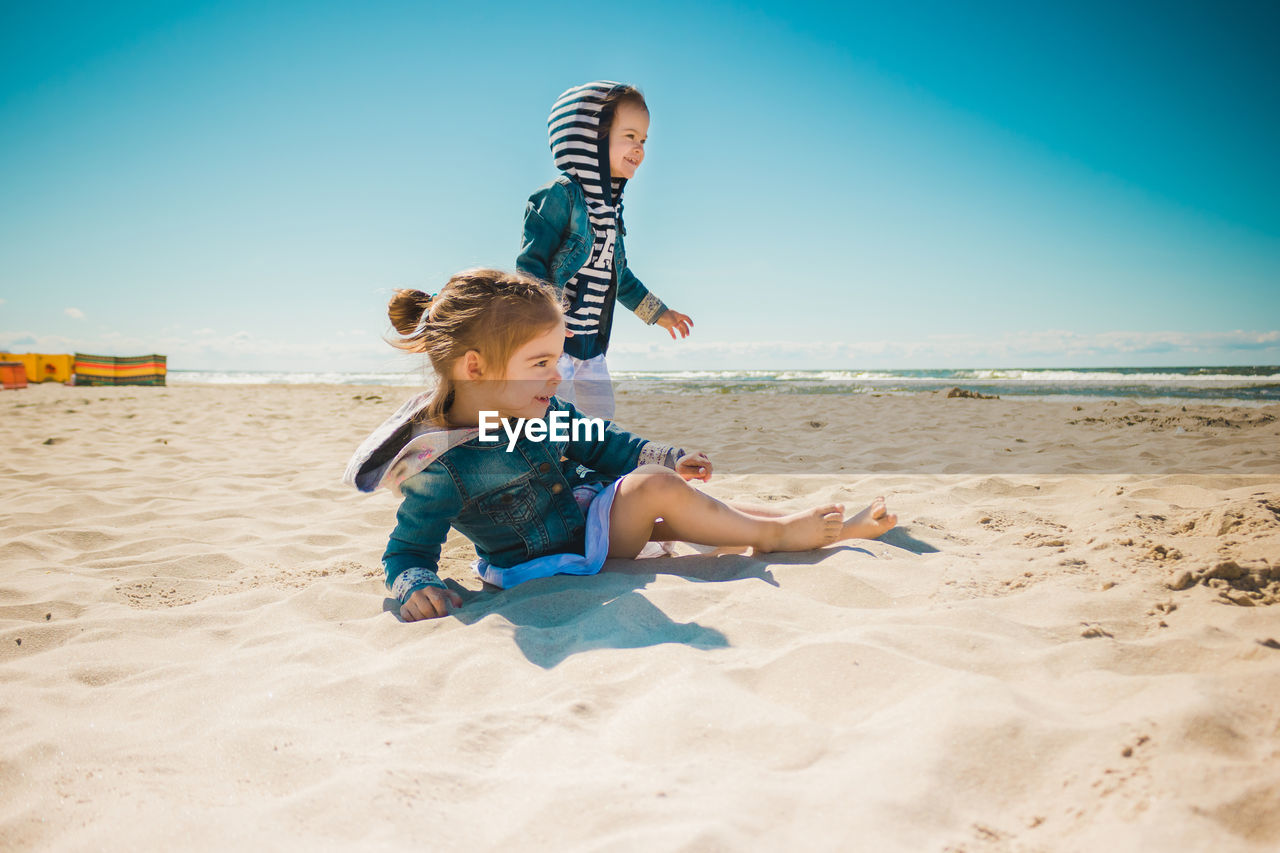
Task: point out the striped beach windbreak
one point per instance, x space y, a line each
115 370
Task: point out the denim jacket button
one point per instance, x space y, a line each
544 467
557 488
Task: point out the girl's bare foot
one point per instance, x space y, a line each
804 531
872 523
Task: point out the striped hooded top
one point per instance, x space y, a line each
573 129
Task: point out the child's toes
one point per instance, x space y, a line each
832 524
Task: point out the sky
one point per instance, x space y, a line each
241 185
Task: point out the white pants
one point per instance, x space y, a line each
587 385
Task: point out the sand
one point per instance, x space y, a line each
1071 643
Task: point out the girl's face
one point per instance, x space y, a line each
627 136
531 376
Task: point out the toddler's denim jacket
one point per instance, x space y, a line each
514 504
557 242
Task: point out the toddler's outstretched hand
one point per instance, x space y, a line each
694 466
673 321
430 602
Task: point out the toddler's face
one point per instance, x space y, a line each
627 136
531 376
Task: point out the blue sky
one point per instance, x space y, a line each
908 184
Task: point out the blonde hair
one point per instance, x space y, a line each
489 311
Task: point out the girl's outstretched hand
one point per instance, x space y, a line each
694 466
430 602
673 321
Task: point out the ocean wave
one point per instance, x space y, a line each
1248 384
264 377
1194 375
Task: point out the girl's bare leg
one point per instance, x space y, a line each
872 523
651 493
662 534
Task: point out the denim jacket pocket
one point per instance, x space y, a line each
569 258
511 525
513 505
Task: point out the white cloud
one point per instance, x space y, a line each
213 351
74 313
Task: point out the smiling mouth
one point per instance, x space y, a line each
635 164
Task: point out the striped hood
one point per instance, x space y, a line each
572 129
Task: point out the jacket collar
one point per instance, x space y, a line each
400 448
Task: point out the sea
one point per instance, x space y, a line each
1246 386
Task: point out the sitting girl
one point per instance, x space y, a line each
550 492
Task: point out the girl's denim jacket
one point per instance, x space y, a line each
514 504
557 243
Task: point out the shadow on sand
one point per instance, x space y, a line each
898 537
555 618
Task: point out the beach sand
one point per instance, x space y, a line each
1072 642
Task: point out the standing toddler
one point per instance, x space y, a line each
573 232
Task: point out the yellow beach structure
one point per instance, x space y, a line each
42 367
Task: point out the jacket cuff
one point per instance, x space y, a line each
411 580
659 454
650 309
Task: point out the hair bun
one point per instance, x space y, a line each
408 310
425 301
